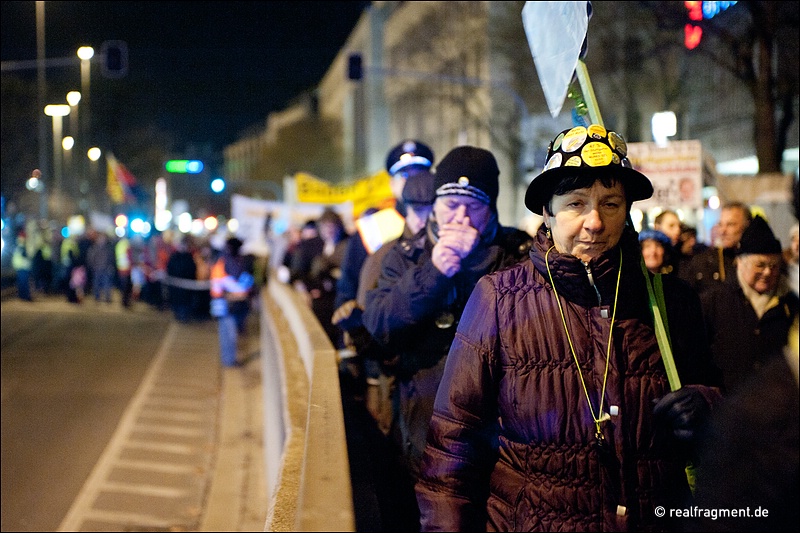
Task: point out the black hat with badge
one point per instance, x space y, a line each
586 151
758 238
469 171
406 154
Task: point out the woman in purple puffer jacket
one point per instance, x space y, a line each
555 411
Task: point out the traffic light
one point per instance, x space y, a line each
698 11
355 69
115 58
184 166
691 33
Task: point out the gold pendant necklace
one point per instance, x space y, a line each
600 440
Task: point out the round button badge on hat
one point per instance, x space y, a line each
587 151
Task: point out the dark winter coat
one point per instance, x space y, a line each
415 309
708 268
512 443
414 313
740 341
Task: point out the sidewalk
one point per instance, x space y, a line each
237 498
187 454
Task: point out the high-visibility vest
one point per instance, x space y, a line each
122 252
69 245
222 283
217 276
21 260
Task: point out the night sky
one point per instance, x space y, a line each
202 71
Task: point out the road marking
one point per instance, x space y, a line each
137 445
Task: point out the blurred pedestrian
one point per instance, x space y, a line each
302 254
750 457
715 264
123 257
404 160
182 273
42 266
100 259
231 286
669 223
21 262
654 251
749 315
70 258
544 420
416 307
688 247
325 271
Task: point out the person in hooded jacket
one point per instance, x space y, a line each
423 286
555 411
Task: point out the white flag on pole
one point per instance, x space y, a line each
555 33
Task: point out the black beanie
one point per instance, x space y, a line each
469 171
758 238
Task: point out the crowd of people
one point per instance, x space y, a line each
582 378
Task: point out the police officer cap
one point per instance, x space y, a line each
408 153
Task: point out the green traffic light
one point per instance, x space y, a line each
184 166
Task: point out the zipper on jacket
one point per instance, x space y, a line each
591 282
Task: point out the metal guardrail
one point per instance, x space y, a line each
305 447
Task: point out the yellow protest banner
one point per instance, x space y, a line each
372 191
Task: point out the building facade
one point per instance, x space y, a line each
453 73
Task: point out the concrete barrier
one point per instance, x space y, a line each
307 469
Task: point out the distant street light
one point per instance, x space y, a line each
41 89
58 112
85 53
36 184
73 98
94 154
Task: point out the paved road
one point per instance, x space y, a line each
113 420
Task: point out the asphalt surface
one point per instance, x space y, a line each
187 453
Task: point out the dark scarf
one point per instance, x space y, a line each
572 281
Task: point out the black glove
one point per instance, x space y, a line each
686 409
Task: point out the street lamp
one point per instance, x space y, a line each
74 168
41 86
73 98
67 144
85 53
58 112
94 154
36 184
